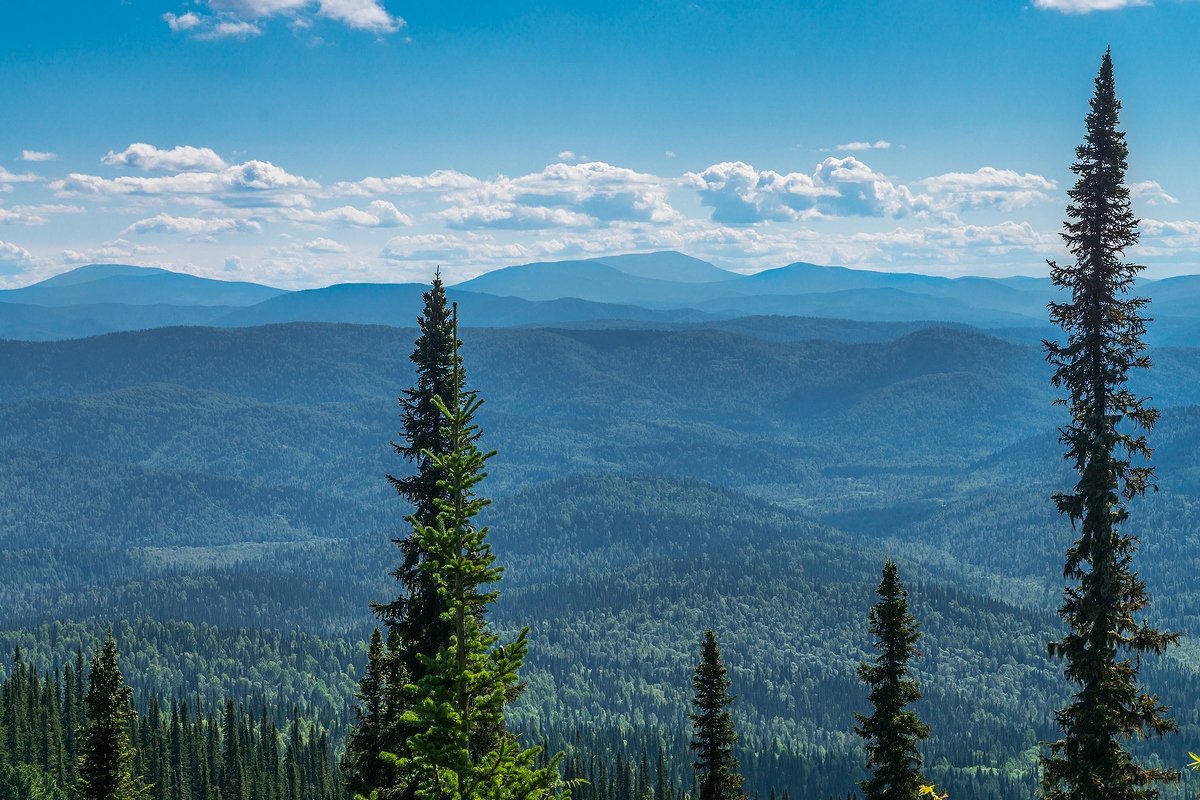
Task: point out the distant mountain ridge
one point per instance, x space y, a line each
633 290
129 285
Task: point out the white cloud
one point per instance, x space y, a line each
259 8
242 18
1152 193
182 22
1154 227
323 245
437 181
566 155
10 177
230 29
116 250
560 195
1087 6
378 214
669 154
367 15
37 214
252 184
457 249
13 258
988 186
838 187
183 158
513 217
18 217
38 155
850 147
563 195
192 226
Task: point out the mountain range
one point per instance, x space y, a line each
665 289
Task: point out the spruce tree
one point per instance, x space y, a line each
106 756
414 620
362 767
717 773
460 750
1104 328
417 613
891 733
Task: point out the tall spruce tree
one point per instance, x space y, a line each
460 750
417 612
414 619
718 776
891 733
106 755
1104 329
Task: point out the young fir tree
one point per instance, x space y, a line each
1104 329
464 687
106 756
891 733
713 736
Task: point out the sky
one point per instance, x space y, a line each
301 143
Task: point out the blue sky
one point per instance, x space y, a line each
305 142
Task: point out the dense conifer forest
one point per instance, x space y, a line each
581 515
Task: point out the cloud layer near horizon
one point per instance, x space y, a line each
190 207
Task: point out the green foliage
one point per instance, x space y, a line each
105 751
439 374
363 769
460 750
891 733
936 448
1107 638
718 776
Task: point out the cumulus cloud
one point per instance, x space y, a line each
378 214
252 184
192 226
511 216
19 217
562 195
116 250
242 18
838 187
1087 6
13 258
443 247
229 29
182 22
367 15
149 158
7 178
851 147
441 180
37 155
1154 227
323 245
1151 192
36 214
988 186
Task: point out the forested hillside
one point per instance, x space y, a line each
223 489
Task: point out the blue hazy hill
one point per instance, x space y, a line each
130 285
